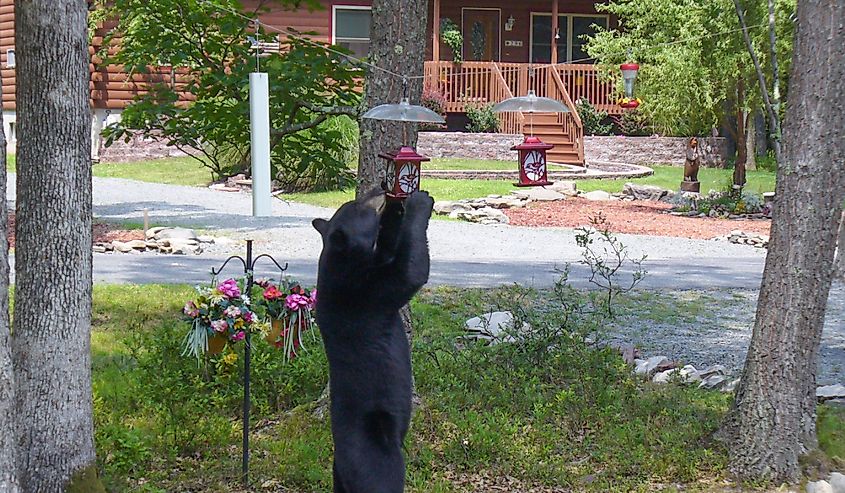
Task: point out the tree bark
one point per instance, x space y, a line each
750 142
773 420
52 320
839 266
397 44
8 473
741 143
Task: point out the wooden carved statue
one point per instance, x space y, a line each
691 166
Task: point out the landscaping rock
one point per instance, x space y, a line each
205 239
743 238
819 487
175 233
540 194
150 233
645 192
731 386
837 481
712 382
651 366
121 246
137 244
690 374
598 195
99 249
568 188
829 392
664 376
495 327
444 207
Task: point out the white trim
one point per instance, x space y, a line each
498 27
569 25
335 8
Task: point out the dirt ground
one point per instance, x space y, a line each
643 217
102 232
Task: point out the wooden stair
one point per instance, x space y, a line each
551 131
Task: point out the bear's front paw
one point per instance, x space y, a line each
419 203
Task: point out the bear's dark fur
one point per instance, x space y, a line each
372 263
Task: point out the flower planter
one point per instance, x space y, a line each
273 337
216 343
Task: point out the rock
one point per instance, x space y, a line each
495 327
150 233
598 195
714 381
664 376
713 370
443 207
644 192
820 487
205 239
568 188
121 246
176 233
223 241
539 194
837 481
152 245
137 244
650 366
731 386
828 392
502 202
99 249
690 374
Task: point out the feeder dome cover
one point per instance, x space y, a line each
531 103
404 112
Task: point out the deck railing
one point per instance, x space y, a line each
475 83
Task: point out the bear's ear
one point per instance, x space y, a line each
321 225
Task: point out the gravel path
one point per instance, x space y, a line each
468 254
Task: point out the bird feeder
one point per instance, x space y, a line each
402 176
533 171
629 77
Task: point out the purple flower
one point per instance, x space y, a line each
232 312
229 288
190 309
313 298
249 317
239 336
219 326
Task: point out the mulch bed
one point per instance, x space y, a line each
103 232
642 217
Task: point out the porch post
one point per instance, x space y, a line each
435 32
554 30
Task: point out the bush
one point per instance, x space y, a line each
332 147
632 123
592 118
482 119
433 99
450 33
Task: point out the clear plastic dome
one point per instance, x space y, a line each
531 103
404 112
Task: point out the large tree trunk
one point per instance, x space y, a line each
52 319
741 144
8 473
839 266
773 419
397 44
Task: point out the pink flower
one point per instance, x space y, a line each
232 312
272 293
313 298
239 336
229 288
190 309
296 301
249 317
263 282
219 326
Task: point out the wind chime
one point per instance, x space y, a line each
533 171
402 175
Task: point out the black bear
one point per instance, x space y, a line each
374 259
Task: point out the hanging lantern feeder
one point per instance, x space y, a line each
402 177
533 171
629 77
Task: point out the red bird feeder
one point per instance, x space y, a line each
629 77
403 172
532 162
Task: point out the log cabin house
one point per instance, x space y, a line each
508 48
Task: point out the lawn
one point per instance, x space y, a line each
572 416
670 177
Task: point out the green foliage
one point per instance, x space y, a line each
691 55
632 123
206 44
482 119
592 118
450 34
433 99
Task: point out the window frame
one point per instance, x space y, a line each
337 7
569 34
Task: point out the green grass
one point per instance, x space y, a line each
469 164
670 177
171 171
573 417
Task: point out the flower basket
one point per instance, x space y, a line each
290 312
218 315
216 343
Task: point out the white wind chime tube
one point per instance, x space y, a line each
259 132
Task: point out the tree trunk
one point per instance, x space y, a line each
741 143
773 419
839 266
397 44
8 474
750 142
52 320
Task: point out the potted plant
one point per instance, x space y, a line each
219 315
290 308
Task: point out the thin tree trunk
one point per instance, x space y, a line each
8 418
741 149
750 142
773 420
839 266
52 320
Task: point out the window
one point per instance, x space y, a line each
570 45
351 29
10 58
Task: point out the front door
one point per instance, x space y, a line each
481 34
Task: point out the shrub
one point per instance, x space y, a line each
482 119
332 147
433 99
632 123
592 118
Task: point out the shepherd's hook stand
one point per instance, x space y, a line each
249 267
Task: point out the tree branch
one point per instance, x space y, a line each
774 118
324 113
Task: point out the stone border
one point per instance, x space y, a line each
591 172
